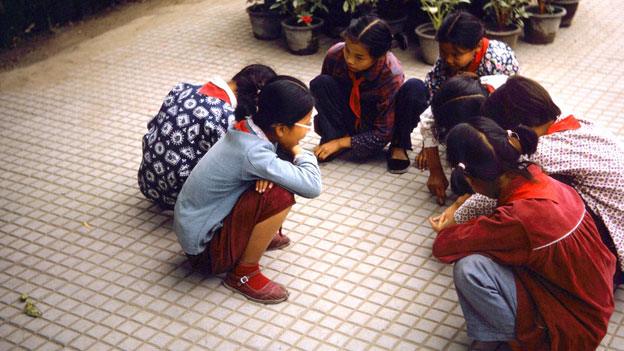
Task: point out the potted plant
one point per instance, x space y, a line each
436 10
394 12
265 21
505 19
542 24
302 24
570 6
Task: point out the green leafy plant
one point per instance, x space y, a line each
264 4
506 12
303 10
438 9
351 6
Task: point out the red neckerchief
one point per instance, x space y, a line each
354 98
242 126
485 42
522 188
210 89
490 89
568 123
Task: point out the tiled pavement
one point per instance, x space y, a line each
105 268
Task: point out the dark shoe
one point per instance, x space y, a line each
279 241
396 166
271 293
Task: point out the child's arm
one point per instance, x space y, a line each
500 236
473 207
437 182
323 151
302 176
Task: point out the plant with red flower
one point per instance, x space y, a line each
301 10
306 19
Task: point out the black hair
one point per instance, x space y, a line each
249 81
484 151
521 101
283 100
461 29
375 34
458 100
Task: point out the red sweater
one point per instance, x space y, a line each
564 273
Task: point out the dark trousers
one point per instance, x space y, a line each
336 120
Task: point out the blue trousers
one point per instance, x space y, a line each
487 295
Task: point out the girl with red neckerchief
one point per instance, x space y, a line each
464 49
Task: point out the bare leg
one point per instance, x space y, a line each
261 236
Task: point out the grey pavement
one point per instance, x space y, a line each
104 266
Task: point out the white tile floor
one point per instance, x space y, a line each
106 269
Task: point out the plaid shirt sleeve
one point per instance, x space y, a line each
386 86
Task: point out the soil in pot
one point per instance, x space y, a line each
302 40
542 28
570 6
429 48
265 25
509 34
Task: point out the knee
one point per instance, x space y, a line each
415 89
279 194
320 83
467 270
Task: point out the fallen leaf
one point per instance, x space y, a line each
31 310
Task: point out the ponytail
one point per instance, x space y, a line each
528 139
482 149
283 100
249 81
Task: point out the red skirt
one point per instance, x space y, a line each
228 244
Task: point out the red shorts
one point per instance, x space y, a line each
228 244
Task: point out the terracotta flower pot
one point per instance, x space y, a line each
302 40
542 28
429 48
265 25
508 35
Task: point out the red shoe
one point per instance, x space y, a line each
279 241
270 293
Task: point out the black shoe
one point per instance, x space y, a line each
396 166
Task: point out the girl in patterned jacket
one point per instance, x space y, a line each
237 197
191 119
464 49
576 151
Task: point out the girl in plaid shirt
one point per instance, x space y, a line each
362 101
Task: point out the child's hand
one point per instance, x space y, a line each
296 150
421 160
323 151
263 185
446 219
437 184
